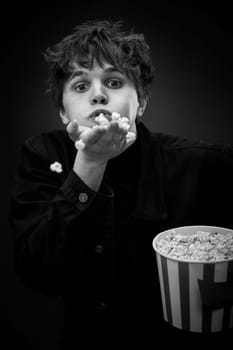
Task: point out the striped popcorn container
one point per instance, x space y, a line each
197 295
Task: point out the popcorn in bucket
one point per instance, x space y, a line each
195 265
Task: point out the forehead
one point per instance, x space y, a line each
82 69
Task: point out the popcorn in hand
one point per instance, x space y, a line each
130 136
102 120
80 145
116 117
123 122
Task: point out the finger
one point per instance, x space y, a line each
83 128
118 133
71 126
127 141
84 134
93 135
73 130
119 136
89 136
120 128
112 134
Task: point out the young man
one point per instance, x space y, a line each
89 199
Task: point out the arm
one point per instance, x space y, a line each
50 221
55 228
101 143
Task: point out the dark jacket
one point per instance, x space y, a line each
95 249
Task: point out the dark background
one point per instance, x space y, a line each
191 97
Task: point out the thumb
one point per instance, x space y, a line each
84 128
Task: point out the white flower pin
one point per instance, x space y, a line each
56 166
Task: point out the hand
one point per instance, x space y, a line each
102 142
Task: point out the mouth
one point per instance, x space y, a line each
107 114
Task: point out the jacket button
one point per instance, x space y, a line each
83 197
102 306
99 249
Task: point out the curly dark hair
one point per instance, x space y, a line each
100 41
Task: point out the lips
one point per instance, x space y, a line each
97 112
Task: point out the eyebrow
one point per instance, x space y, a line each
78 73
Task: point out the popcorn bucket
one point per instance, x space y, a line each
197 296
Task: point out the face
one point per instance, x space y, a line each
88 91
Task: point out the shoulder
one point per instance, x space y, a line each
175 149
46 140
178 145
49 144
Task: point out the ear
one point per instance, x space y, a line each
141 107
63 116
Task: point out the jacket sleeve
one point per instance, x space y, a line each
52 215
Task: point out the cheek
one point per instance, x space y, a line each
71 107
133 104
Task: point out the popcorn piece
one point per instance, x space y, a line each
123 124
56 166
130 136
102 120
122 121
80 145
115 116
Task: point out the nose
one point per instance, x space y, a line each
99 96
99 99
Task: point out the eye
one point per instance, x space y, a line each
81 87
114 83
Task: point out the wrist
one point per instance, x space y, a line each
83 160
90 171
